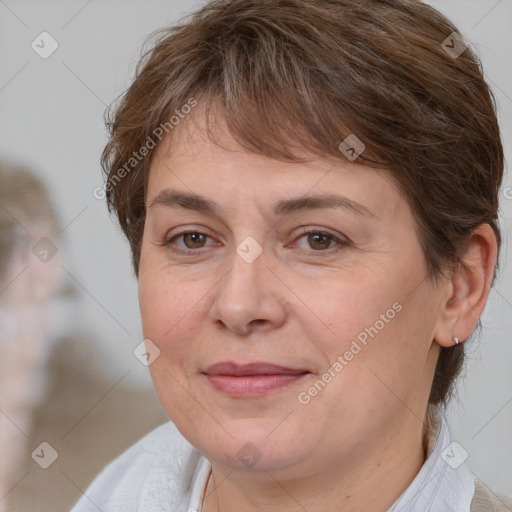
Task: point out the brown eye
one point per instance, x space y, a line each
194 240
319 241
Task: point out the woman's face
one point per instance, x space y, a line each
279 271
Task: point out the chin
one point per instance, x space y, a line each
254 445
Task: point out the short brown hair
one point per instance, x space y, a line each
314 72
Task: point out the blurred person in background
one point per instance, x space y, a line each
29 276
45 387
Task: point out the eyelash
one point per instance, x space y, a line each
340 243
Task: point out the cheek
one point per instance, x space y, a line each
170 319
172 313
373 329
349 308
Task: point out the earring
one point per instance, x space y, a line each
456 340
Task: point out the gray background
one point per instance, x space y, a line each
52 120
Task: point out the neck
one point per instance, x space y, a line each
372 480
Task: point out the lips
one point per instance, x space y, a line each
251 380
251 369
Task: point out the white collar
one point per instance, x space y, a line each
199 481
444 482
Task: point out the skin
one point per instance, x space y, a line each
357 444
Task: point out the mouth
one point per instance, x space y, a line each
253 379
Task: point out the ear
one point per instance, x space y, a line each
468 288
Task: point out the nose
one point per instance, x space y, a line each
249 297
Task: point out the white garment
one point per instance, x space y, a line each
164 473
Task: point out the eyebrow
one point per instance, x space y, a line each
190 201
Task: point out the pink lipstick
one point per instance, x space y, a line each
253 379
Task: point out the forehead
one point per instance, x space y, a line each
213 164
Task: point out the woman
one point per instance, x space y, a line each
310 192
30 278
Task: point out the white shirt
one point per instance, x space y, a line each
164 473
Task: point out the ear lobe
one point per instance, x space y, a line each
469 287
